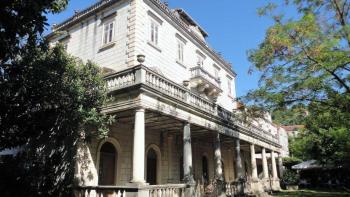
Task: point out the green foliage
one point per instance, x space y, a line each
290 177
305 61
22 23
290 116
291 161
49 103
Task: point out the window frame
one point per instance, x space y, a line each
200 58
229 86
109 37
216 71
180 51
154 32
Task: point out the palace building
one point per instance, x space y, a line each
173 97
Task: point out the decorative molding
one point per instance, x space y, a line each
109 16
155 17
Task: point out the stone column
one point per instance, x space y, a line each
187 155
239 168
264 162
170 159
280 165
274 167
217 158
138 165
253 163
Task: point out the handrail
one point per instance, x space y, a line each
205 72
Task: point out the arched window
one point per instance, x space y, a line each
205 171
107 166
152 167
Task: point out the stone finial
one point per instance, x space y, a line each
53 27
141 58
186 83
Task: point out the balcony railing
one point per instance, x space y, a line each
168 190
199 74
145 76
101 191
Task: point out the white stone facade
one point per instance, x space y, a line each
174 125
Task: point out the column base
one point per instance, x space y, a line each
257 187
189 180
276 185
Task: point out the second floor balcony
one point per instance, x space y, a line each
143 78
205 82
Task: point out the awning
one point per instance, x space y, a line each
307 165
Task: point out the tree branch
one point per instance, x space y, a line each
341 18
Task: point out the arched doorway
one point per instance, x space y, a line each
152 167
205 170
107 165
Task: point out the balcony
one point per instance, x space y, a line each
143 77
205 82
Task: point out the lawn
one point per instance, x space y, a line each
312 193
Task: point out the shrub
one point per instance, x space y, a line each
290 177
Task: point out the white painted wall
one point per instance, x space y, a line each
165 55
132 36
85 39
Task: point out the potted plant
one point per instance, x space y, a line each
290 179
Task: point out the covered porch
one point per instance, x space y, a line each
148 153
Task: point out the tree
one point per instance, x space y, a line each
22 24
305 60
294 115
50 102
46 112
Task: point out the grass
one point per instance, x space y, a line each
312 193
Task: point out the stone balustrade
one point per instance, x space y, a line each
102 191
169 190
199 72
145 76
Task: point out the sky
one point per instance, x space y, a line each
234 27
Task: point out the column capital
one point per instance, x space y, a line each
140 109
186 122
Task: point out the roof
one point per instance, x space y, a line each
311 164
190 20
85 13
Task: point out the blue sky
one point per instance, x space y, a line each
233 27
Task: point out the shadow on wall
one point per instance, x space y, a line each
85 169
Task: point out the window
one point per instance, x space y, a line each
154 32
229 85
216 71
180 51
200 59
108 33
